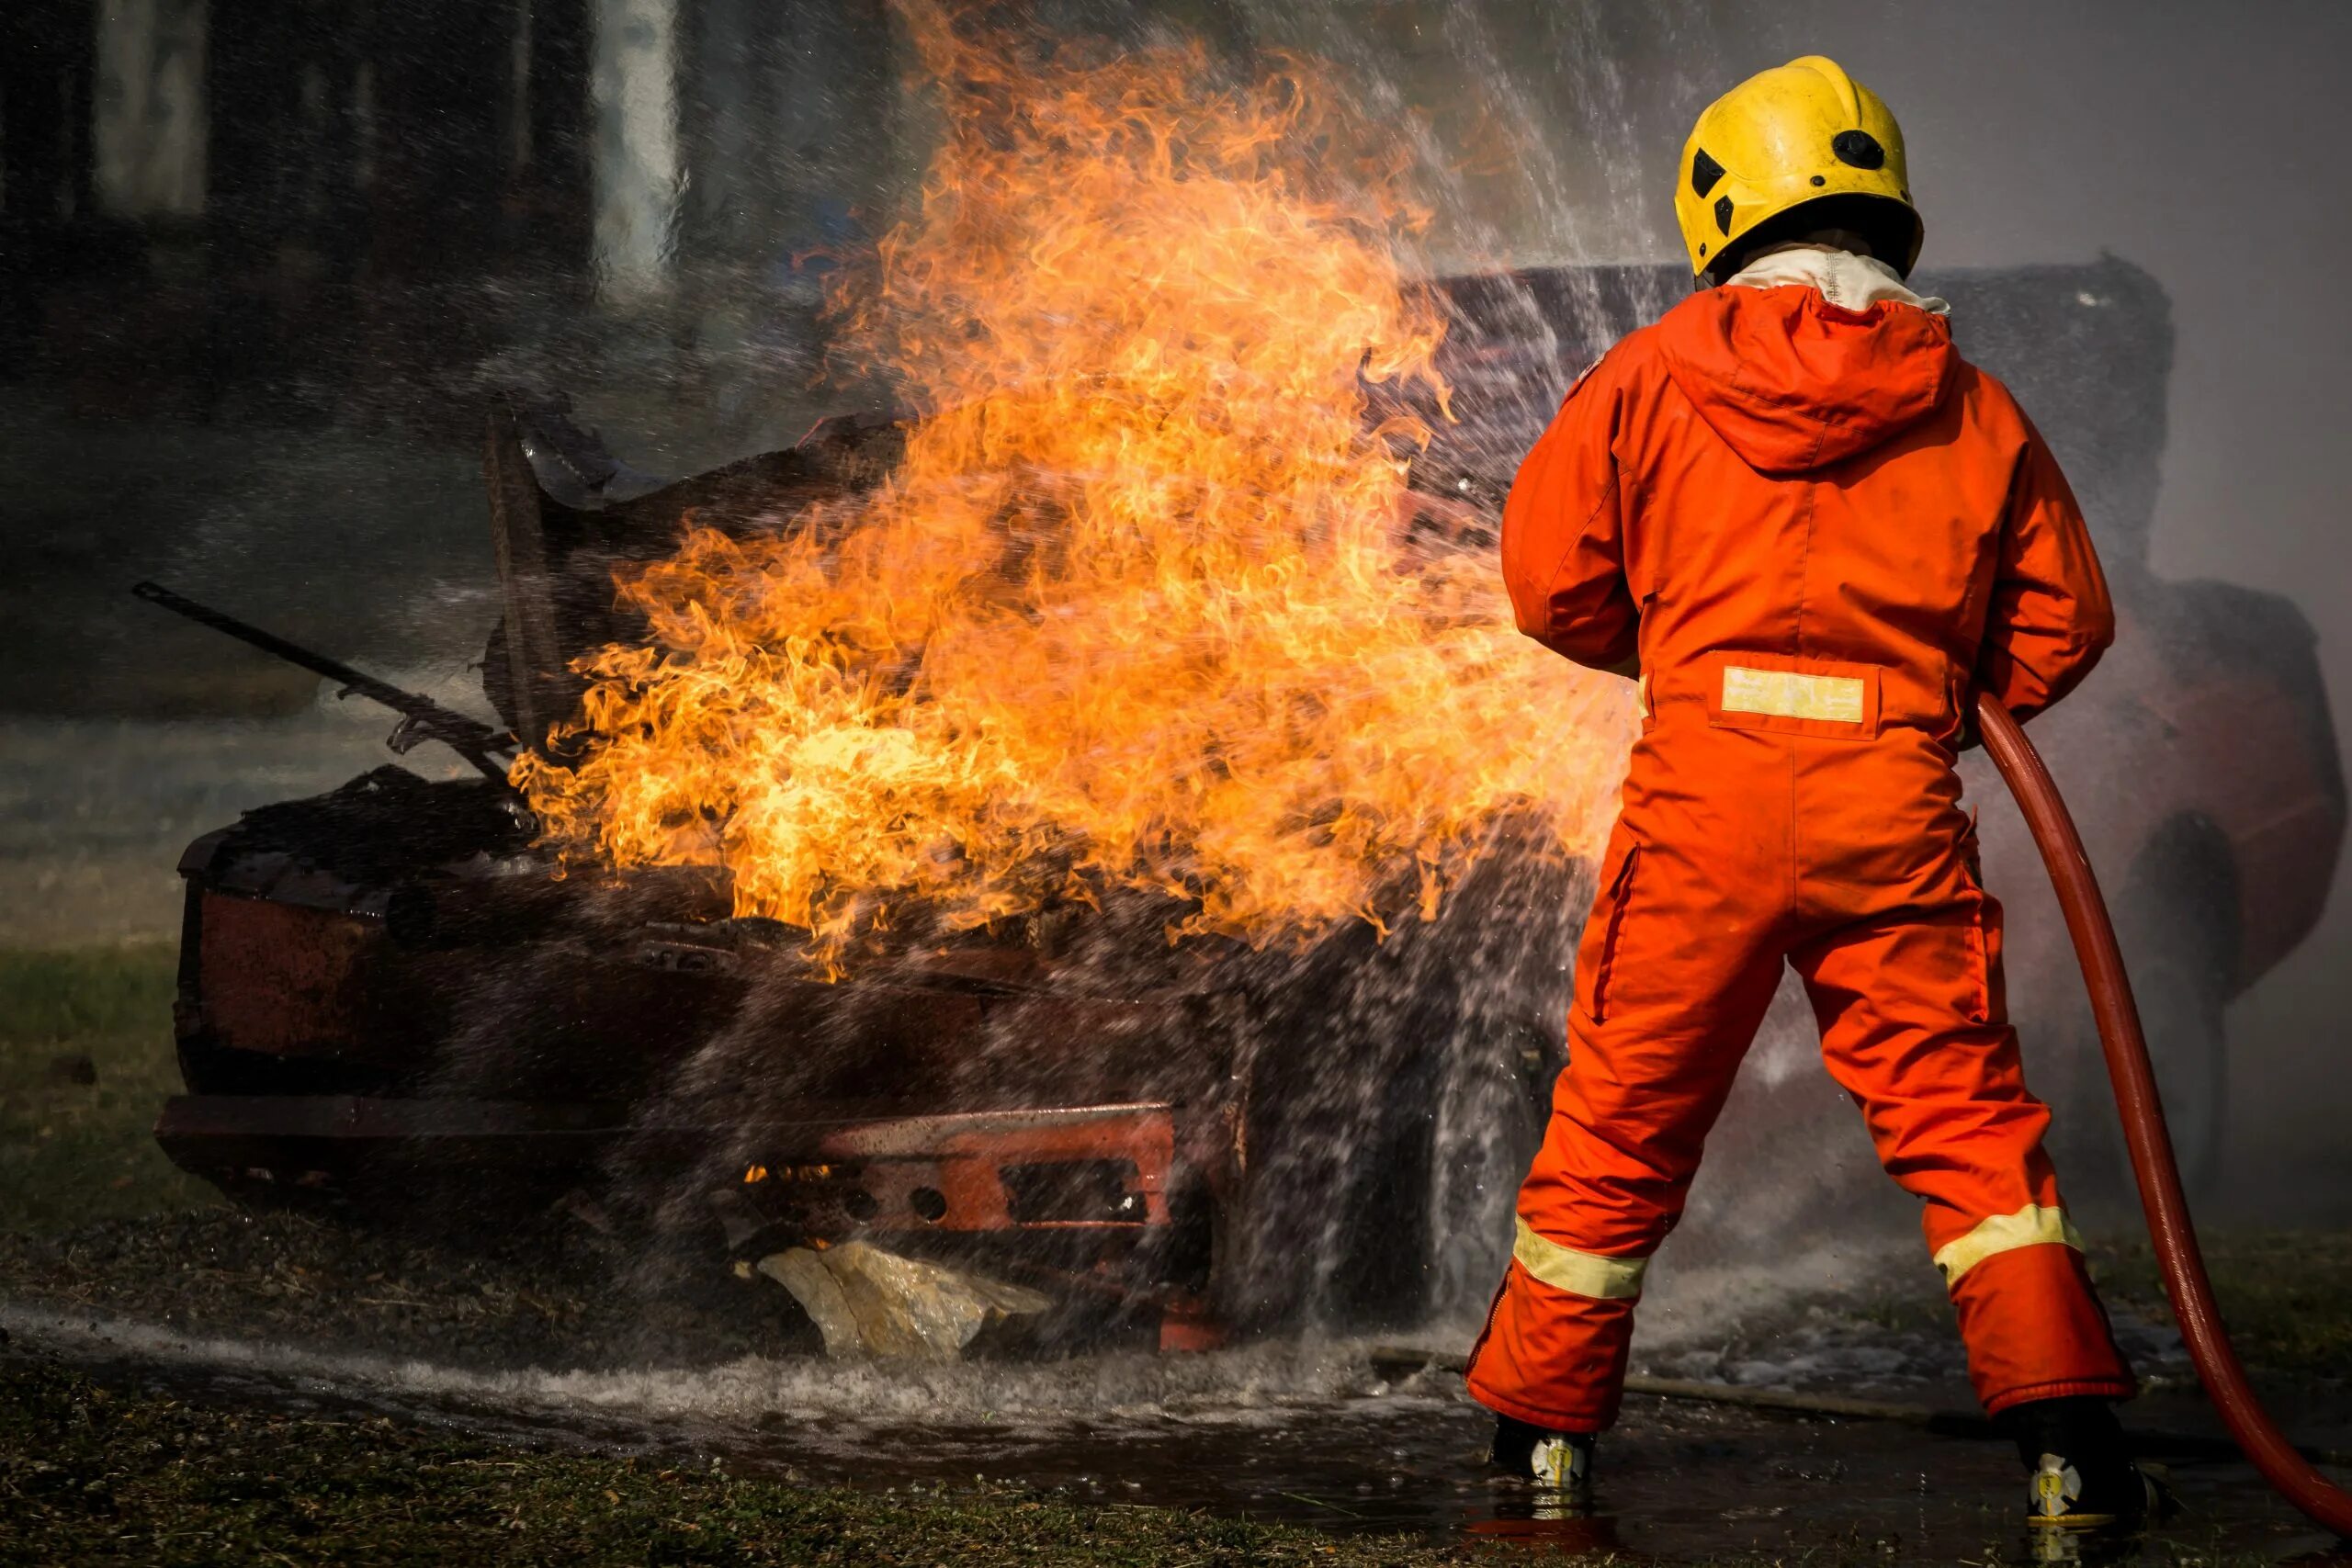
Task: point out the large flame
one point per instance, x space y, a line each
1134 611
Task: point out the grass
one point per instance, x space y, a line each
89 1473
2286 1296
71 1150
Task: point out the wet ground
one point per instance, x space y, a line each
1325 1434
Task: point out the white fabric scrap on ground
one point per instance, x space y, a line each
868 1302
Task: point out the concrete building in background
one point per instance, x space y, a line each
337 196
149 109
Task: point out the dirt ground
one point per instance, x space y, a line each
91 1472
186 1382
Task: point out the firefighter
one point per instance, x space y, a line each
1811 530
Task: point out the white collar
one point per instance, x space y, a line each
1852 282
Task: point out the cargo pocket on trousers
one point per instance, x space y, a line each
1989 1004
1596 962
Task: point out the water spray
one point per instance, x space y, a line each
2158 1173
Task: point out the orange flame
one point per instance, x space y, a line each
1134 611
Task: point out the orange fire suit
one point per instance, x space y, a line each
1818 530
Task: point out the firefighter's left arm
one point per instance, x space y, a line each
1563 535
2049 618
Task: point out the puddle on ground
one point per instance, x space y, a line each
1336 1448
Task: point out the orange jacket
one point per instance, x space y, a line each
1818 528
1761 471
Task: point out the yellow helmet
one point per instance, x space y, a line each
1785 138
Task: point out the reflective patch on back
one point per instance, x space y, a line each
1788 693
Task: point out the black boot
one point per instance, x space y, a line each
2082 1475
1552 1462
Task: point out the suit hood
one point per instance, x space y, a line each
1794 383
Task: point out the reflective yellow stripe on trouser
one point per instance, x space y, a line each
1578 1273
2033 1225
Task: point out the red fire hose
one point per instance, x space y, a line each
2144 1126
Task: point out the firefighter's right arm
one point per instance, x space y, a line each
1563 538
2050 616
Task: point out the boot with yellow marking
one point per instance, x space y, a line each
2079 1476
1557 1465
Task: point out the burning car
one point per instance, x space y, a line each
390 1001
974 829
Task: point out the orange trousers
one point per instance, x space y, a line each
1740 850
